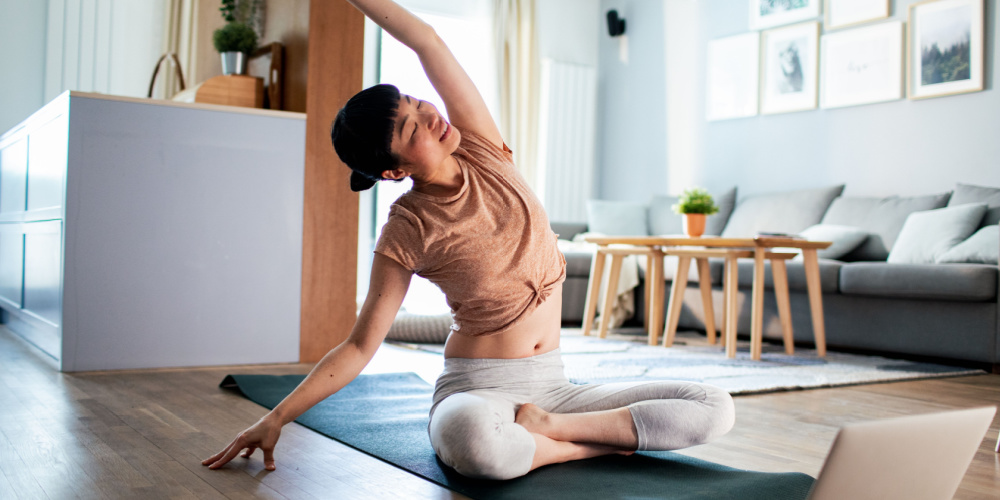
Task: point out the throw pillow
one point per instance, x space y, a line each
617 218
787 212
844 238
930 234
982 248
967 193
881 218
663 220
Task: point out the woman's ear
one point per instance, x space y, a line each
395 174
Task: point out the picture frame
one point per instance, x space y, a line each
955 25
732 77
844 13
862 65
789 68
771 13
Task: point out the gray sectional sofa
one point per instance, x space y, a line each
922 282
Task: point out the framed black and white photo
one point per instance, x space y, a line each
789 68
844 13
862 65
770 13
732 77
944 48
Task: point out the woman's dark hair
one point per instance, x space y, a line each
362 133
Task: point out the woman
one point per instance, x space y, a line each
502 406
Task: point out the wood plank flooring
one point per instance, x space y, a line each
142 434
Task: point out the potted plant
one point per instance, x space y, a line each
695 205
235 41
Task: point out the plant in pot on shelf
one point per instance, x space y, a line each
695 205
235 41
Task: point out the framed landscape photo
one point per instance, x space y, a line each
732 77
843 13
770 13
944 48
789 68
862 65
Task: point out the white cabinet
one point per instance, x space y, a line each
138 233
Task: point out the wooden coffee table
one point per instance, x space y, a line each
759 248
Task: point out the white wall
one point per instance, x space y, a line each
22 36
899 147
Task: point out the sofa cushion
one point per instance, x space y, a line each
567 230
663 220
617 218
967 193
578 262
955 282
881 218
844 238
787 212
927 235
982 247
829 275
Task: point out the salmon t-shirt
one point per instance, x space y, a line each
489 248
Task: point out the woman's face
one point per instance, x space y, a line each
421 137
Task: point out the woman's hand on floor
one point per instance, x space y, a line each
264 435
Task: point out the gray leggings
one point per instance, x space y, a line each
472 425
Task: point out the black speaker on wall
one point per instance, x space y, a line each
616 25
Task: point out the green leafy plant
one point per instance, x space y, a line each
695 201
235 37
227 10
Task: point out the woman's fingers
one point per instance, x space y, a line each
250 450
230 453
268 459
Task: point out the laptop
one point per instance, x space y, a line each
912 458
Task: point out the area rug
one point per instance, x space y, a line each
595 360
386 417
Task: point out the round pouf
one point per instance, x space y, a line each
420 329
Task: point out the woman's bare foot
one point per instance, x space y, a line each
535 420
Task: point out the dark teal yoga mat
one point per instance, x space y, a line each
386 416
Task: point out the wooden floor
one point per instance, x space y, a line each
142 434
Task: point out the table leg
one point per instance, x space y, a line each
757 302
811 264
610 294
780 273
658 287
729 287
649 292
593 290
676 300
705 283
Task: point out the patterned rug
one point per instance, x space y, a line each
595 360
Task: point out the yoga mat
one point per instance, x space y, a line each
386 417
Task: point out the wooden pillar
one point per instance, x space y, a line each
330 218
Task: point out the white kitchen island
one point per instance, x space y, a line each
139 233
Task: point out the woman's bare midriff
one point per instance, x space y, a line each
536 334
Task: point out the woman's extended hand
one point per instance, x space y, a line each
264 435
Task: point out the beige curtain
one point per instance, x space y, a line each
517 46
180 19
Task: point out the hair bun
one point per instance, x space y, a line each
360 182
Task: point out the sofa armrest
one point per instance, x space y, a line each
567 230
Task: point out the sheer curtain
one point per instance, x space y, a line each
518 71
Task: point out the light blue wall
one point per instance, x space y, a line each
22 36
631 114
899 147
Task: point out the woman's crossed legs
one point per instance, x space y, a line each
501 434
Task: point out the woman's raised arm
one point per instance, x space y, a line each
466 107
389 282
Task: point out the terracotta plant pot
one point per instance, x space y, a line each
694 225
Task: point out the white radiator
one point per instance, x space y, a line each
567 127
